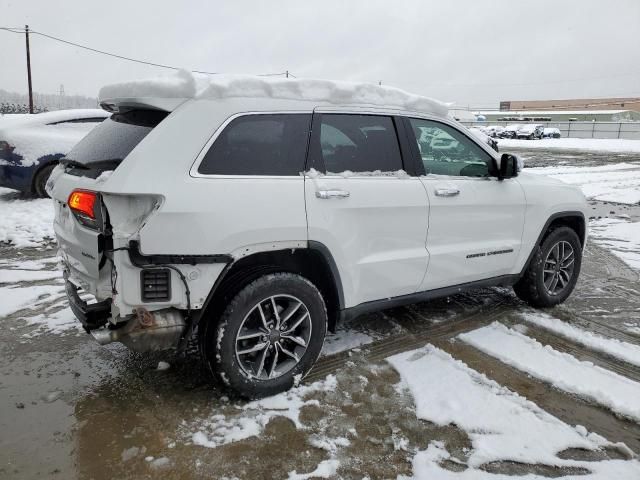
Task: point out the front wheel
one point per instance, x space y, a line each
269 336
553 271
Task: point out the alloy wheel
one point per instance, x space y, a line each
273 337
558 267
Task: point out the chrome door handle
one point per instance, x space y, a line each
326 194
447 192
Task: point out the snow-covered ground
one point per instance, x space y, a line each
617 182
624 351
584 144
621 236
501 425
25 222
562 370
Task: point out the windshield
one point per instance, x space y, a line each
110 142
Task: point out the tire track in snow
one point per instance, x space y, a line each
562 370
494 418
629 353
568 408
391 345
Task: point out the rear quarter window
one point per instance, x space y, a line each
113 139
262 144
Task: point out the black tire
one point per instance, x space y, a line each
40 180
532 288
221 345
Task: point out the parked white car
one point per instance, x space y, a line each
551 132
530 132
510 131
483 137
215 213
493 131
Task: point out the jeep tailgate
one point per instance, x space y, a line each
80 246
87 167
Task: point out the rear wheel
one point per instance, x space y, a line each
553 271
269 336
40 180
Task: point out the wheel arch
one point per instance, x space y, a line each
314 263
572 219
42 163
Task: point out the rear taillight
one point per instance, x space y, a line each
85 207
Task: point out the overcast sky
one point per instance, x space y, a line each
465 51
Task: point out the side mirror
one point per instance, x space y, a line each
510 166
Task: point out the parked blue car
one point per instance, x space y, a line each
32 145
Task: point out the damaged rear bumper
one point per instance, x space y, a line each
91 315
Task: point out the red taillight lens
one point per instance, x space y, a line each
82 201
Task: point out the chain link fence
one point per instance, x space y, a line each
625 130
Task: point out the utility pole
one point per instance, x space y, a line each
61 104
287 73
26 32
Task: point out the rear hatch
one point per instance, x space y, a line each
82 222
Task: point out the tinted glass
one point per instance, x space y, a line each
259 145
446 151
359 143
113 139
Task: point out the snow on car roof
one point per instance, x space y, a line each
186 85
51 117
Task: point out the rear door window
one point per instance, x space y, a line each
262 144
358 143
111 141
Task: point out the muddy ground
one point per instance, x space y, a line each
72 409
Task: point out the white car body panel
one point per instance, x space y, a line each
376 235
391 237
486 216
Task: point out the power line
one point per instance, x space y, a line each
122 57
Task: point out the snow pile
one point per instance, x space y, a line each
184 84
501 425
585 144
426 466
36 141
562 370
621 237
618 182
25 223
313 173
220 430
493 416
51 117
611 346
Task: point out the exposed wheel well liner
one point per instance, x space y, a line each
314 263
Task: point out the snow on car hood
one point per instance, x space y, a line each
32 142
184 84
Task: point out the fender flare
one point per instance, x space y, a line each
545 228
322 249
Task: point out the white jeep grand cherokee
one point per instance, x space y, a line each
255 214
